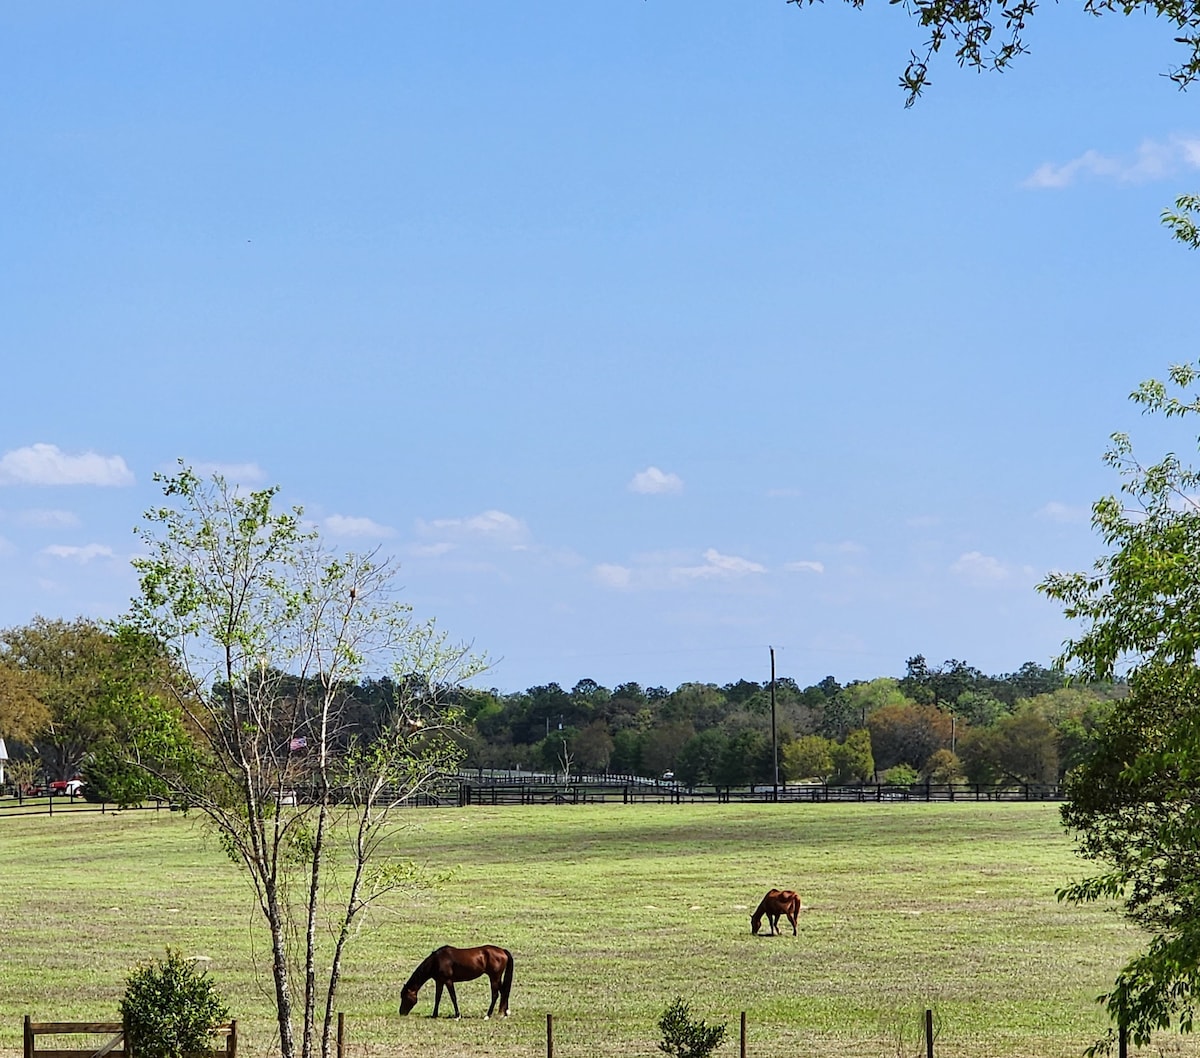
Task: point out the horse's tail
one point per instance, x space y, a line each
506 981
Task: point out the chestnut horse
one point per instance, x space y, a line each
777 902
448 965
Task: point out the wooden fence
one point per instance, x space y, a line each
113 1047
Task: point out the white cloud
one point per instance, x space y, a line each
430 550
242 473
1153 160
347 525
82 555
653 481
613 576
492 526
979 569
718 565
48 518
46 464
1062 512
6 547
804 566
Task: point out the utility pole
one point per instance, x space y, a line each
774 743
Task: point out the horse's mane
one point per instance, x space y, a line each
421 974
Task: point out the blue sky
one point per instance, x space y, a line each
645 334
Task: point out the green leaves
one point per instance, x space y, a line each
272 633
1133 805
683 1036
170 1008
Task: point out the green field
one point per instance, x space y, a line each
610 911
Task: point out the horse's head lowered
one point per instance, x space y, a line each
408 1000
755 922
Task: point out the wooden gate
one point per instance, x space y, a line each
112 1047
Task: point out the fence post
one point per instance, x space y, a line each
341 1036
29 1038
928 1034
743 1048
230 1041
549 1036
1122 1041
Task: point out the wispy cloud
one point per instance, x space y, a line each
979 569
236 473
1153 160
48 519
613 576
82 555
46 464
653 481
1062 512
717 565
804 566
492 526
348 525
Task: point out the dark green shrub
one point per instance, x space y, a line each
685 1038
109 780
170 1009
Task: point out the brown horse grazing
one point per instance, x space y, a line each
448 965
777 902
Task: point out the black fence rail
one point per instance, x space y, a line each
543 790
534 792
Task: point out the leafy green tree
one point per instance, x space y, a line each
64 665
852 759
908 734
593 747
979 752
660 746
745 760
978 708
23 714
627 752
807 757
1132 803
269 630
942 767
700 704
699 759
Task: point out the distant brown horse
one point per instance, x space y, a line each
777 902
448 965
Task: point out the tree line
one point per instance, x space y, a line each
70 691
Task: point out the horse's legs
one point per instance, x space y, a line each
792 916
437 998
453 998
495 995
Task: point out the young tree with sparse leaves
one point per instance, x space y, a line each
269 631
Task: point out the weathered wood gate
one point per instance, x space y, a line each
113 1047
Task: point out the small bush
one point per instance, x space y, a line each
170 1009
685 1038
900 775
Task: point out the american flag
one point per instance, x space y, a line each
298 743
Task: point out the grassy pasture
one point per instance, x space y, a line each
610 911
